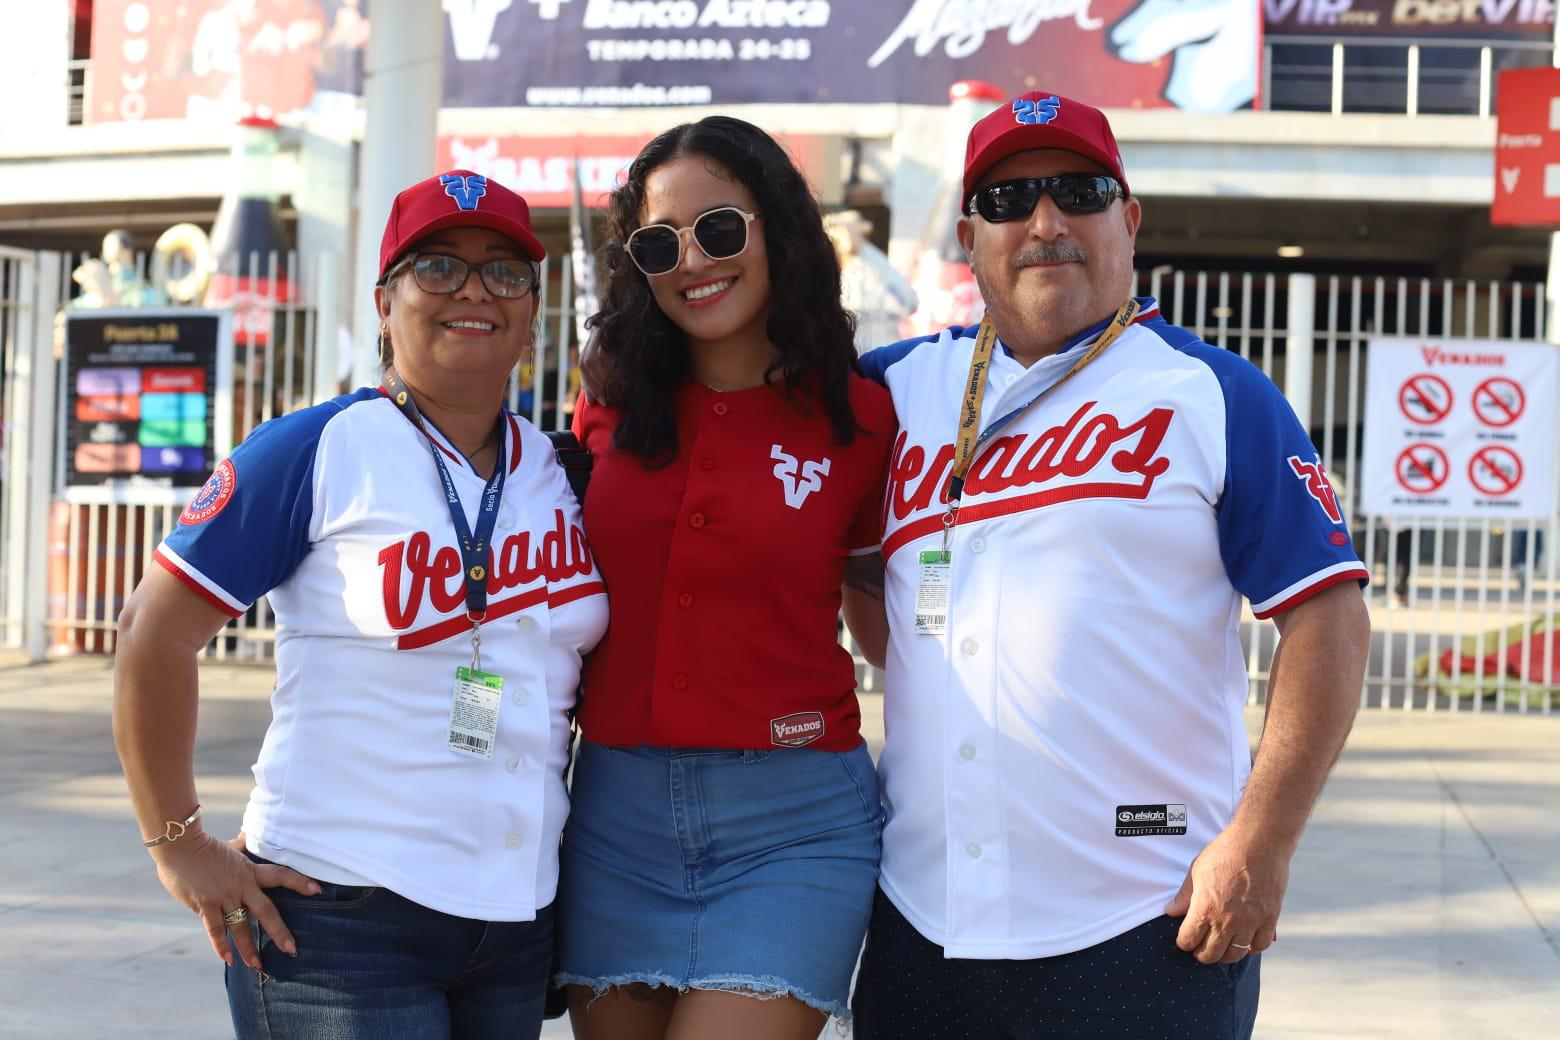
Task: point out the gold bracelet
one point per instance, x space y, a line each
174 830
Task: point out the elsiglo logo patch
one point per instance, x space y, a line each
1136 821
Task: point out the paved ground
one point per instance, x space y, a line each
1425 900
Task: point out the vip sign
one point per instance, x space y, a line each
1527 148
1459 428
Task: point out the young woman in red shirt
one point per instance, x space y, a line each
722 848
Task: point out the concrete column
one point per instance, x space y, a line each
402 83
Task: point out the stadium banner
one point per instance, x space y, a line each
1512 21
619 53
542 168
221 60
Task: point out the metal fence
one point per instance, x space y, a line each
1467 587
1448 597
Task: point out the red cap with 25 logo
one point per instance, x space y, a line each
1040 119
458 198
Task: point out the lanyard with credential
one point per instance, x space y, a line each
473 547
970 438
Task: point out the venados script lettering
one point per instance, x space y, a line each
1070 450
1436 356
562 554
965 23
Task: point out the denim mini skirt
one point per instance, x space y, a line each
748 871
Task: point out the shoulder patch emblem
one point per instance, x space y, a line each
1314 474
212 496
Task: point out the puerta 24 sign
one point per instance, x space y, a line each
614 53
147 402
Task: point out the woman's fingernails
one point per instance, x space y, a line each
315 890
292 950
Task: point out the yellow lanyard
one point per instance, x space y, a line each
969 438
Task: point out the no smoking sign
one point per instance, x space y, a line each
1498 401
1495 470
1425 399
1422 469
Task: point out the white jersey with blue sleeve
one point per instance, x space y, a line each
337 512
1057 757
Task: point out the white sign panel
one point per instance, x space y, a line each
1459 428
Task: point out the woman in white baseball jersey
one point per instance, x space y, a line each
722 849
433 594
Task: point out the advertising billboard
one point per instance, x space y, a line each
618 53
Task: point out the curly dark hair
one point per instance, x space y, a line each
640 356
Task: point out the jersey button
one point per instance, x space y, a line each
969 647
696 520
685 600
974 849
967 752
706 464
720 408
519 697
513 841
977 545
679 681
525 624
506 519
512 764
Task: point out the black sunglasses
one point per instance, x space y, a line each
719 233
1072 193
442 274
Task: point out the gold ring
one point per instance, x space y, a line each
1241 946
234 918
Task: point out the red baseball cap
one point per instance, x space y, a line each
458 198
1040 119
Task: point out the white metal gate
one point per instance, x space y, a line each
1477 603
1470 587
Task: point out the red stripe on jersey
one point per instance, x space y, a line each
1357 574
1017 504
514 429
454 626
199 589
574 592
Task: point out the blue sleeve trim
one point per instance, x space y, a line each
257 537
1281 527
876 363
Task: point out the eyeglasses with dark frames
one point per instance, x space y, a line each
441 274
720 234
1072 192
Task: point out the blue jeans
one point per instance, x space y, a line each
373 965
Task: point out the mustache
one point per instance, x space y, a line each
1058 253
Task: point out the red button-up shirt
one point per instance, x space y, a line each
723 571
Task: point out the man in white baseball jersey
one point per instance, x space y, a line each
1078 841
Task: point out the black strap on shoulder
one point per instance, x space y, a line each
575 460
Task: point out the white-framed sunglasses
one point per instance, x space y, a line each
719 233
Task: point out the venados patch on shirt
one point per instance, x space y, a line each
796 730
212 496
797 479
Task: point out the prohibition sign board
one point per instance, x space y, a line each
1499 401
1422 469
1495 470
1425 399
